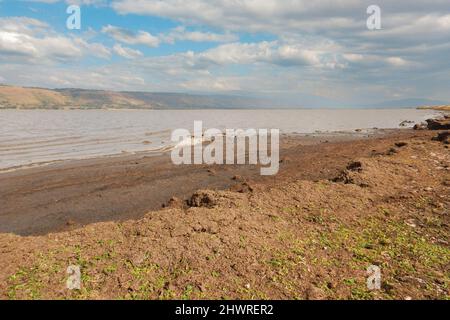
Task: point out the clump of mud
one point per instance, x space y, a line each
204 198
443 137
174 202
351 175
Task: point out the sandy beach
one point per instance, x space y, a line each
338 205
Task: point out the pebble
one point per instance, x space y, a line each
411 223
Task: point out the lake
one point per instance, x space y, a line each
37 136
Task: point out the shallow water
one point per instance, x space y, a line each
34 136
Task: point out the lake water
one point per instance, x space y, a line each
37 136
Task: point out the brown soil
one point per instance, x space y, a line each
68 195
308 233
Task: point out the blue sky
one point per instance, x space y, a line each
316 52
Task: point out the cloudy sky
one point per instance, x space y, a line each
301 50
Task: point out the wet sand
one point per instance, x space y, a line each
66 195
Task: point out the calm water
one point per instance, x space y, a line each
30 137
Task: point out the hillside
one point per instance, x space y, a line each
12 97
25 98
406 103
439 108
39 98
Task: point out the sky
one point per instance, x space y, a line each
298 50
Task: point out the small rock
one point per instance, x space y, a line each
420 126
206 199
174 202
411 223
287 159
137 259
244 187
392 151
438 124
401 144
405 123
355 166
418 282
314 293
442 137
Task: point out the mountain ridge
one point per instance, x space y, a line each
16 97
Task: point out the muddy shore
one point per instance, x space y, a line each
66 195
311 232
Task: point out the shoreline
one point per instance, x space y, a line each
308 233
70 194
334 135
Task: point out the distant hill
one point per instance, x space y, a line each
406 103
441 107
13 97
39 98
18 97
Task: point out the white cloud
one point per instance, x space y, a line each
127 53
238 53
105 77
274 52
95 49
180 33
30 40
353 57
397 61
176 34
376 61
319 47
76 2
131 37
212 84
23 25
279 16
18 45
